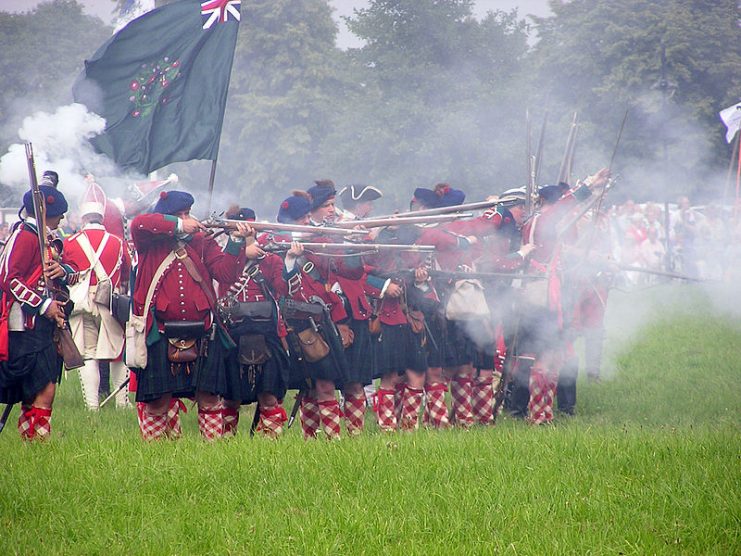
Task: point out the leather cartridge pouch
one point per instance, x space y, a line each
182 340
120 304
103 293
258 311
299 310
374 322
416 321
374 325
313 346
253 349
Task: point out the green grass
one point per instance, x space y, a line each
652 465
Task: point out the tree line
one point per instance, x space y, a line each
435 94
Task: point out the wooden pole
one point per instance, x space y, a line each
211 179
738 176
731 164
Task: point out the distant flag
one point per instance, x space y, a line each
731 116
161 84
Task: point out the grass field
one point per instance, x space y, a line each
651 465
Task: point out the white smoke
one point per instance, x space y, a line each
61 143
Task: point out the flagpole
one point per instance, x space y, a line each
211 179
738 175
731 163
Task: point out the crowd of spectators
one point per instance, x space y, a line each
703 241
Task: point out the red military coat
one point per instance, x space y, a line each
114 259
250 291
20 273
178 297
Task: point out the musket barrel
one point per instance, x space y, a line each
478 205
39 207
226 223
284 246
400 221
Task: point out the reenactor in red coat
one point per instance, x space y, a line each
30 366
177 264
541 323
350 284
500 251
258 370
313 278
104 264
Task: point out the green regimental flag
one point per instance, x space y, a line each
161 84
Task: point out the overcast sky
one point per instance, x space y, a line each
104 10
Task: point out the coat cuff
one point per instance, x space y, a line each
376 281
234 247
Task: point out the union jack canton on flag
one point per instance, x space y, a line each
219 10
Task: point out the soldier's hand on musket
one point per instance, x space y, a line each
55 312
421 275
472 240
190 225
373 233
243 230
53 270
296 250
526 249
394 290
253 251
599 179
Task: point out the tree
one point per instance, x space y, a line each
41 53
432 99
282 89
601 56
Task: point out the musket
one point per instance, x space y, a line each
465 207
530 164
563 228
459 275
291 309
541 147
480 275
62 335
112 395
227 224
620 135
285 246
5 416
570 167
628 268
602 193
568 151
403 220
296 406
255 420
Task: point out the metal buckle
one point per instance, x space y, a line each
308 267
181 253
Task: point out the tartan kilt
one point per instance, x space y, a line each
397 349
458 348
33 362
244 383
484 359
205 374
333 367
435 349
360 354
